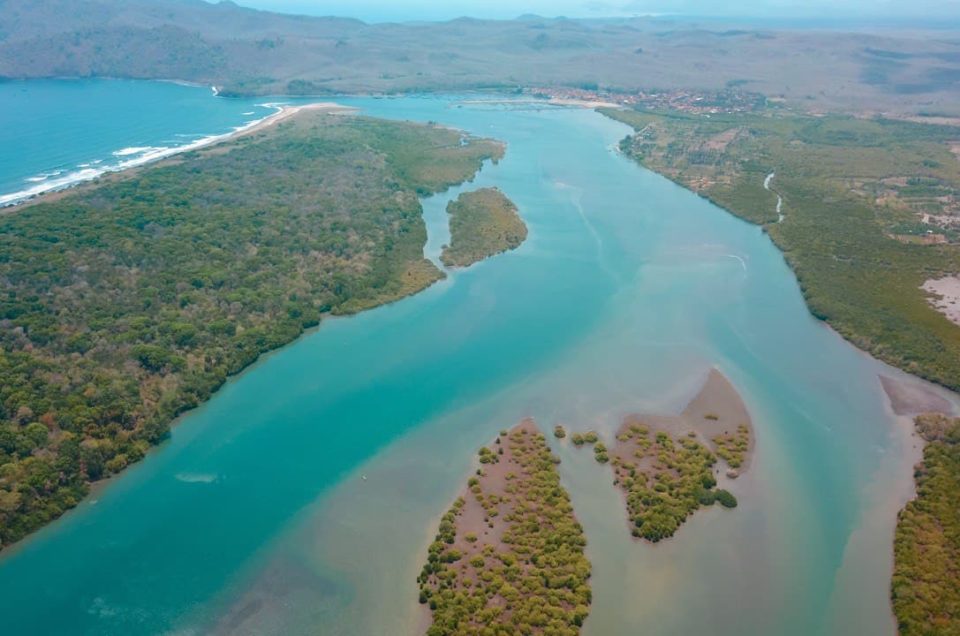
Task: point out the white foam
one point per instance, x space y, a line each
43 176
743 263
197 478
139 155
136 150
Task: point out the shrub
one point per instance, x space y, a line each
726 499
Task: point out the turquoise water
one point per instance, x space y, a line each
57 132
301 498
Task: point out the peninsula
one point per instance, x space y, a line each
131 300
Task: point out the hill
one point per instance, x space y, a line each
256 52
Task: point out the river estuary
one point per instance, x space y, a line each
301 498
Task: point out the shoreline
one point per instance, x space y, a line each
13 201
88 172
553 101
284 112
846 335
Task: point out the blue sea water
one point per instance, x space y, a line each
58 132
301 498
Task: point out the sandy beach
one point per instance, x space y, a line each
285 112
12 202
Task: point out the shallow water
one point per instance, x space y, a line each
301 498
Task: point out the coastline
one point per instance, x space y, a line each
11 202
553 101
284 112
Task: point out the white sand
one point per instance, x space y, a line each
286 112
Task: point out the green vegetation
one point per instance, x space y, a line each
559 432
725 498
482 223
926 576
126 303
665 480
600 453
869 209
732 447
509 555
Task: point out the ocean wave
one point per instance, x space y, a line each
136 150
132 157
43 176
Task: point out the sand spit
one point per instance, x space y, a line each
945 296
912 399
715 410
286 112
669 466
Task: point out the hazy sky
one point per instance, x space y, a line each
382 10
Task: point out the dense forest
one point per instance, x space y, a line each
870 212
926 576
127 302
482 223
